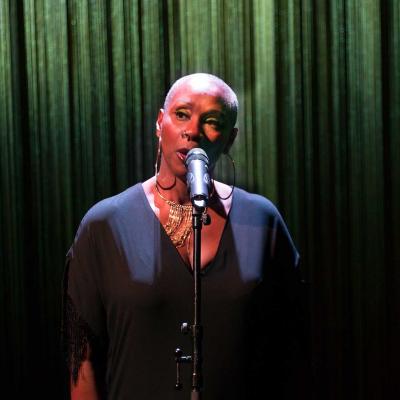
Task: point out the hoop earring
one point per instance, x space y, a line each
158 159
157 169
234 180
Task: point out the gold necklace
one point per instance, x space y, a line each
179 224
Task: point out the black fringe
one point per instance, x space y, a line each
79 343
77 338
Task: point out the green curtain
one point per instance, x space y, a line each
318 82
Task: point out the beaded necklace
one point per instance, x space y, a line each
179 224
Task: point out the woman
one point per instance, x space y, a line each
128 282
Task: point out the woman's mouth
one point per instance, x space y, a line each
181 153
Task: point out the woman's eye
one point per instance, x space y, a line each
181 115
214 123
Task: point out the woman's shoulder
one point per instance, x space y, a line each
254 202
113 206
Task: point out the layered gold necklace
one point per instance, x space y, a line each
179 224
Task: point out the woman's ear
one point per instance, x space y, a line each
159 121
232 137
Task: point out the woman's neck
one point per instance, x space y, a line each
173 189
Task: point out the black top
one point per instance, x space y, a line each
128 291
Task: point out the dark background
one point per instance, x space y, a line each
319 87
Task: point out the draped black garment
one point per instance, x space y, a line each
127 291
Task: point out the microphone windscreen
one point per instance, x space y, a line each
196 154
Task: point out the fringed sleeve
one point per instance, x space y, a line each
83 324
77 336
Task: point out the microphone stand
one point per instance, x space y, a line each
198 182
196 327
198 218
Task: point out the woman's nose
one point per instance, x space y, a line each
193 132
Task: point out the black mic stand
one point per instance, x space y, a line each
199 216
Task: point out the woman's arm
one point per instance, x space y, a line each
85 387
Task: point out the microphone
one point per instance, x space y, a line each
197 177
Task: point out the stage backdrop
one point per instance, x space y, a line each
319 88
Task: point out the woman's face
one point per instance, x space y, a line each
196 116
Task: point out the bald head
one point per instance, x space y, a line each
208 84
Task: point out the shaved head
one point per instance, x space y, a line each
209 84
